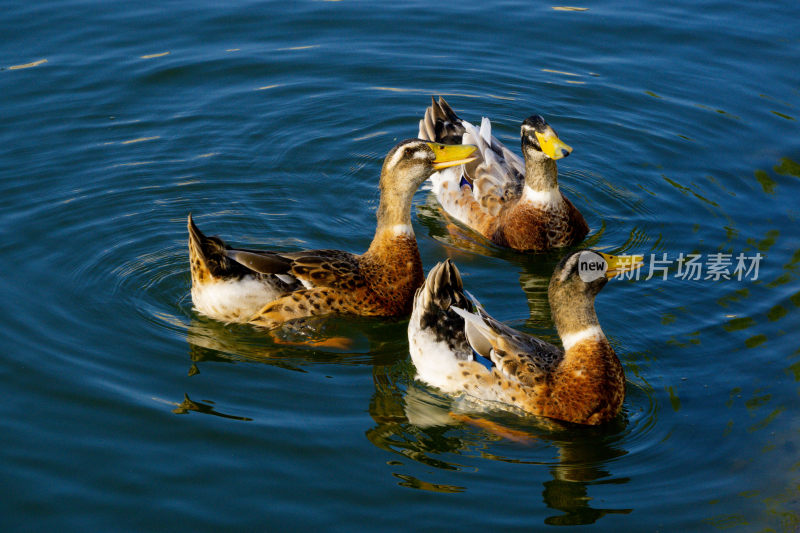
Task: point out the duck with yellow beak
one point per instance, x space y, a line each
457 347
510 202
267 288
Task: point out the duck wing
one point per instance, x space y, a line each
294 270
518 356
313 268
326 268
259 261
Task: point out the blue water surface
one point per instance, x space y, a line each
123 409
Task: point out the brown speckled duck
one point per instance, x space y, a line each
511 203
456 346
268 288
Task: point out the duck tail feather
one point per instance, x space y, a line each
444 285
435 312
441 124
208 256
442 290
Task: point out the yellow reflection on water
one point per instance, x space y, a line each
151 56
564 73
559 72
767 183
133 164
140 139
371 135
28 65
569 8
298 47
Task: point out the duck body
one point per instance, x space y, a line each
268 288
522 225
511 202
457 347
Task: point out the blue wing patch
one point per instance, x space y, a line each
482 360
464 182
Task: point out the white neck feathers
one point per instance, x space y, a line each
398 230
592 333
548 198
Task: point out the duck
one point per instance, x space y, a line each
511 203
269 288
457 347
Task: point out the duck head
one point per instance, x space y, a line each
409 164
576 281
540 139
414 160
540 148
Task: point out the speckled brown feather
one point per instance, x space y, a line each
526 227
197 260
476 218
381 282
586 385
589 387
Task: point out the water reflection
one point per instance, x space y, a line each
787 167
188 405
446 230
211 341
318 340
436 431
394 433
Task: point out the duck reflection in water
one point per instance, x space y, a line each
444 433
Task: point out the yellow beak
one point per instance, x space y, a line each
620 264
450 155
551 145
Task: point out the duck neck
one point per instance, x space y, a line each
394 220
394 210
394 214
541 172
392 266
576 321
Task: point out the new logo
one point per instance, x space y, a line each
591 266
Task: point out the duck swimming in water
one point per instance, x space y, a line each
457 347
267 288
510 202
